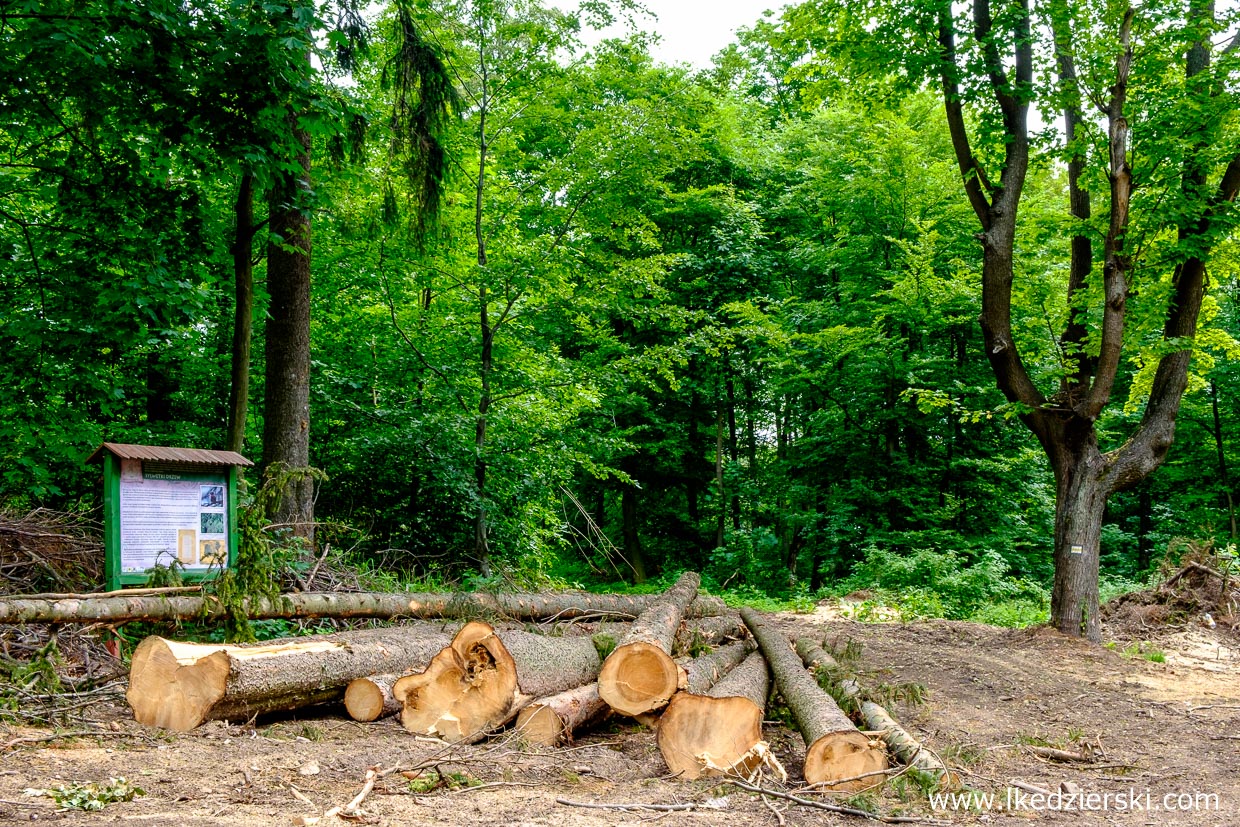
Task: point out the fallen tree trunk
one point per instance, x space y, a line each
813 655
370 698
694 636
834 748
640 675
903 746
124 608
820 662
484 677
705 671
906 748
180 685
553 720
720 732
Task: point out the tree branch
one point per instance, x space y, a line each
970 169
1115 262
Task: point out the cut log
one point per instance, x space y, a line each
819 661
696 635
813 655
834 748
125 608
180 685
692 636
370 698
705 671
906 748
640 676
720 732
553 720
484 677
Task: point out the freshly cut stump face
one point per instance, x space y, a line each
638 677
539 724
200 678
843 755
700 736
175 685
364 700
467 689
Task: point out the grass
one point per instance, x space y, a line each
1139 649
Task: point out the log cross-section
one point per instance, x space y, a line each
554 719
640 675
719 732
485 677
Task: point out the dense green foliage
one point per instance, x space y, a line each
663 319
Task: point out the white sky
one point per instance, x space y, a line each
694 30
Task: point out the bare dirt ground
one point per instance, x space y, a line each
1162 729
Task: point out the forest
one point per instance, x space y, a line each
933 300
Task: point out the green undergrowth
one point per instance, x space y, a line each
887 585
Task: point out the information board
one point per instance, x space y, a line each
169 514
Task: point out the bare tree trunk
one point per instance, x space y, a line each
243 314
286 409
733 452
632 539
721 518
482 549
1081 497
127 608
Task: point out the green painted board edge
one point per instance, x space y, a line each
113 577
112 522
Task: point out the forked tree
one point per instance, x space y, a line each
1150 158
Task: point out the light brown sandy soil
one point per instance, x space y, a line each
1174 728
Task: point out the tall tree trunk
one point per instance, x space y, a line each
1145 523
1081 491
733 454
243 314
632 539
286 409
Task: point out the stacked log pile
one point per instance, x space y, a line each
484 677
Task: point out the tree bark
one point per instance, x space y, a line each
706 670
708 631
906 748
243 314
640 675
121 608
835 750
485 677
180 685
286 409
720 732
554 720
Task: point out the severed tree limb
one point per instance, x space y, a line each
661 808
1062 755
